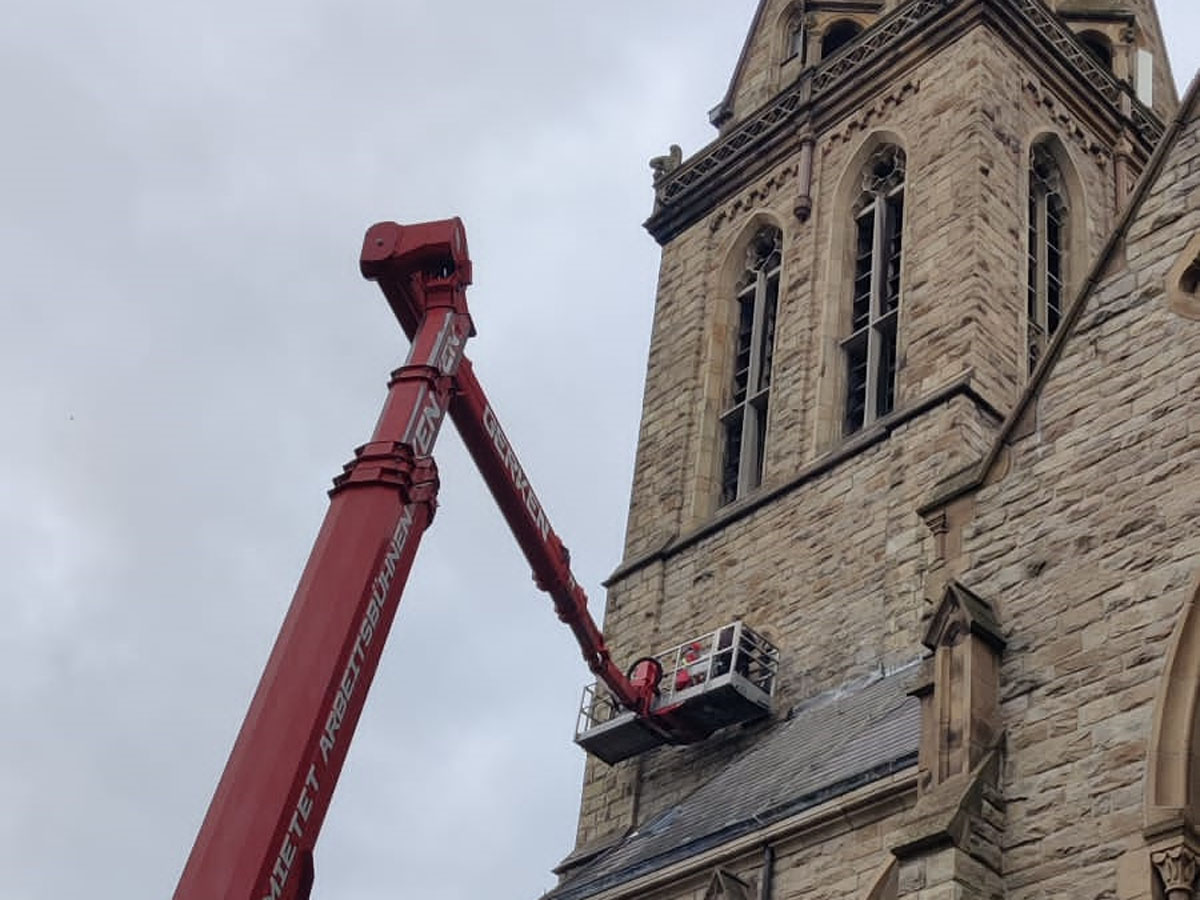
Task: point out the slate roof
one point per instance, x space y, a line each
831 745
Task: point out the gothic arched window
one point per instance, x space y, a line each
1099 46
838 35
1048 249
875 305
744 423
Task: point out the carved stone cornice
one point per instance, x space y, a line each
835 86
1118 93
757 196
862 120
773 123
1067 123
1104 16
1177 869
837 6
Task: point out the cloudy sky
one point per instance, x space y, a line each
187 356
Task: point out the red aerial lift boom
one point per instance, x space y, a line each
257 839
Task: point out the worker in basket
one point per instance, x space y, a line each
693 668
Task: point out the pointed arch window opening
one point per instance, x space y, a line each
1047 253
870 349
837 35
1099 46
744 423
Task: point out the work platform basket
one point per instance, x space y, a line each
725 677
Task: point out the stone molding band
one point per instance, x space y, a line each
676 185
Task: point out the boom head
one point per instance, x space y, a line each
393 254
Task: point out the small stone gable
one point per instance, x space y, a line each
749 84
962 612
784 37
724 886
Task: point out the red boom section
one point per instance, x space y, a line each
257 838
506 479
258 835
547 556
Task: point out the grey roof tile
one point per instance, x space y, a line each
831 745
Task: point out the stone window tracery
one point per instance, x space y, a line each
1047 252
744 423
870 350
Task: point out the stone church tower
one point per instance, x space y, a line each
922 410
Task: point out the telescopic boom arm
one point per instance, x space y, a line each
257 838
502 471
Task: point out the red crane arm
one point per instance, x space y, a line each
257 838
506 479
545 552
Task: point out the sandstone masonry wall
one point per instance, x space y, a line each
1088 549
833 571
965 213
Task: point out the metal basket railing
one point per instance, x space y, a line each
701 661
693 667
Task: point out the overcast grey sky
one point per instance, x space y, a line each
188 355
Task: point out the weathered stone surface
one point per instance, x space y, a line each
1081 531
